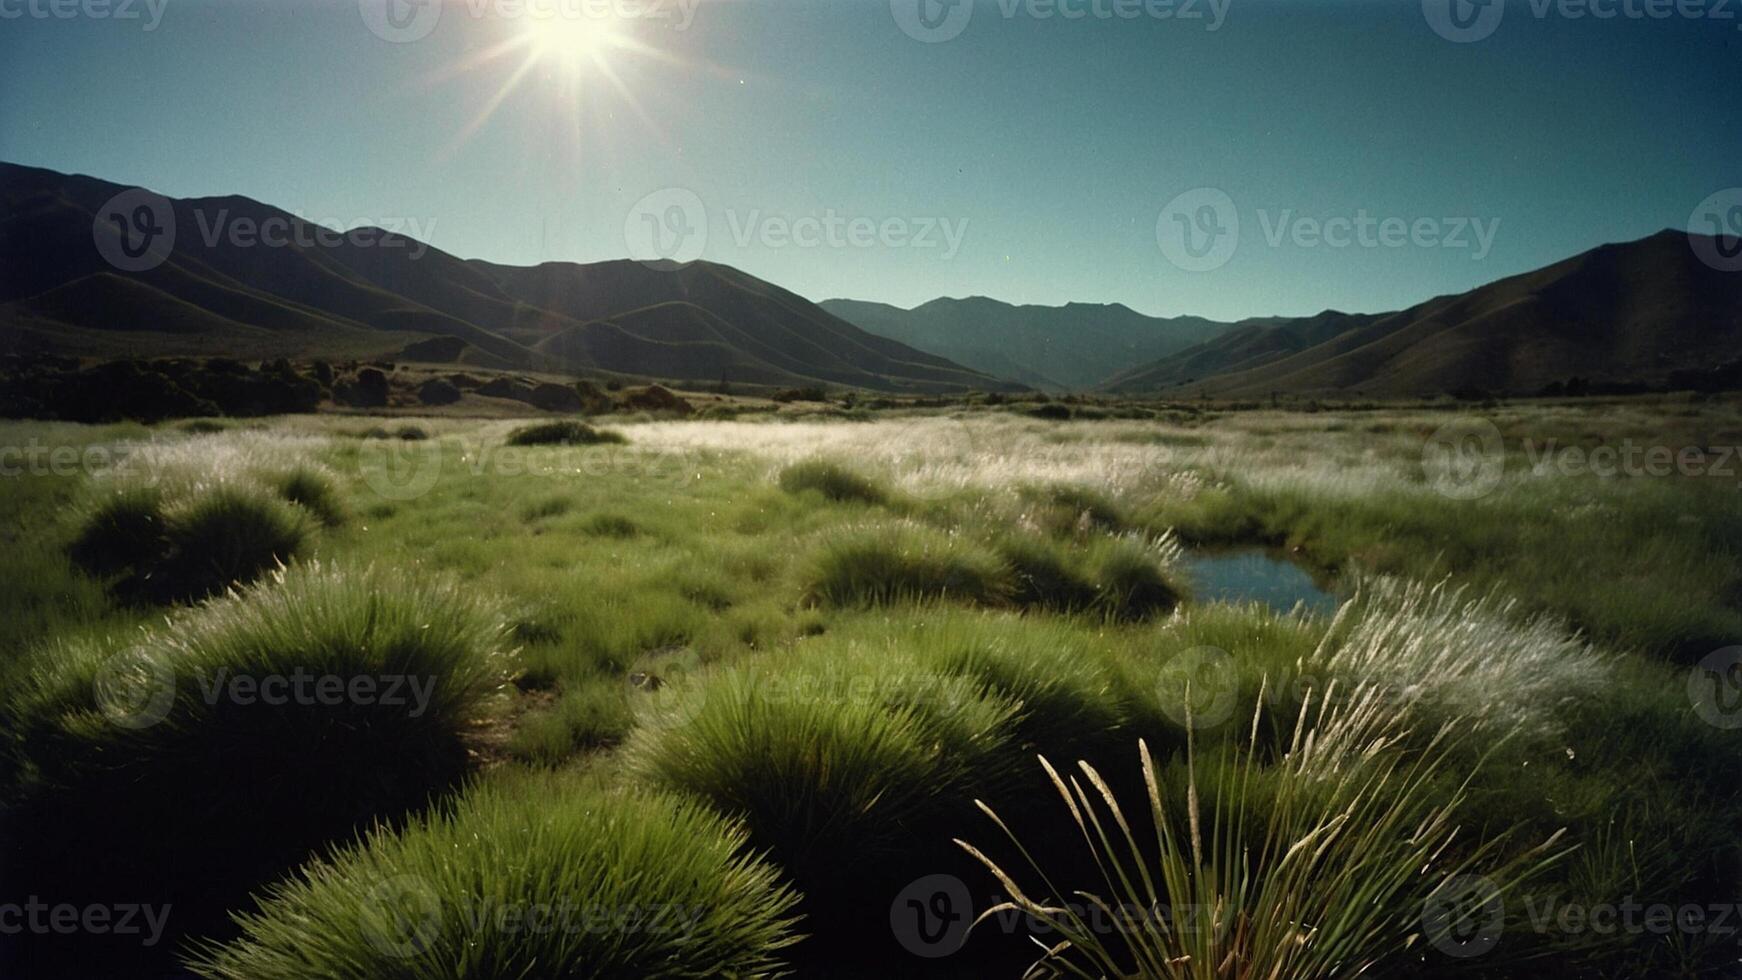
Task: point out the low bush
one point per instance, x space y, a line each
436 391
568 433
122 531
313 489
1044 575
223 535
523 879
885 563
171 551
1131 579
833 481
198 758
847 769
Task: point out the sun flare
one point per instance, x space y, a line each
573 42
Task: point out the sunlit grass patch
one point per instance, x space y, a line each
312 488
844 767
523 878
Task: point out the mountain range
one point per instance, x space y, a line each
1630 314
1071 347
1636 313
221 289
1625 314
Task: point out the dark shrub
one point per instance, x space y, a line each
655 398
556 398
565 433
1052 412
435 391
368 390
594 401
123 531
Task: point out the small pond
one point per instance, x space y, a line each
1256 575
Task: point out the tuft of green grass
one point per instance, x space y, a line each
411 433
846 768
1044 575
1319 866
833 480
610 526
1131 579
312 488
202 756
597 714
553 506
165 550
565 433
223 535
903 561
525 878
124 530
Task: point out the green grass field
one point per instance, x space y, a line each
748 697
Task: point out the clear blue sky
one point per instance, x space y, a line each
1058 141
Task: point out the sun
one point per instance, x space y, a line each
570 41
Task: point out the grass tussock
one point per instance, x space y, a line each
1319 866
171 550
527 878
879 564
312 488
834 481
217 749
565 433
846 769
610 526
